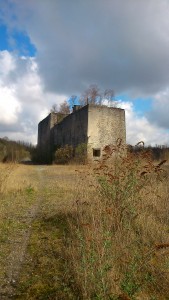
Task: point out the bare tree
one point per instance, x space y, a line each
109 96
91 95
54 108
64 108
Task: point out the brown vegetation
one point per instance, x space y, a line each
117 247
63 108
11 151
69 155
97 232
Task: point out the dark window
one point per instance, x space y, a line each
96 152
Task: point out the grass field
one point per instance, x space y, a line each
74 232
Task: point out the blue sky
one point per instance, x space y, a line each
17 41
4 38
52 50
141 105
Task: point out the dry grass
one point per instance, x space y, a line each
17 198
118 244
78 232
32 221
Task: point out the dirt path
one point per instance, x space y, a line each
19 245
31 251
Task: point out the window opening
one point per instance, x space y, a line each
96 152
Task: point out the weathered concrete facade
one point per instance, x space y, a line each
94 125
46 135
105 126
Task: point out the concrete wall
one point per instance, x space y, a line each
45 137
46 128
105 126
73 129
44 141
97 126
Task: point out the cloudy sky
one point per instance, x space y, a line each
50 50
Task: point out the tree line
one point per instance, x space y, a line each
12 151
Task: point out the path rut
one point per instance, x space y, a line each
19 245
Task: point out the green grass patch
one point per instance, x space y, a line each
42 275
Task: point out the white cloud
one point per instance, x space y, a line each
9 106
7 63
139 128
23 99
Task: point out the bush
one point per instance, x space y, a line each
68 154
81 153
117 242
63 155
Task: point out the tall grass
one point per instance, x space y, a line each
5 171
117 244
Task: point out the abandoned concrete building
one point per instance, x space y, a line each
94 125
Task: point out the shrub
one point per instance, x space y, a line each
63 155
68 154
81 153
118 228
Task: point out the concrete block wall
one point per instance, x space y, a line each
95 125
105 126
72 130
44 140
